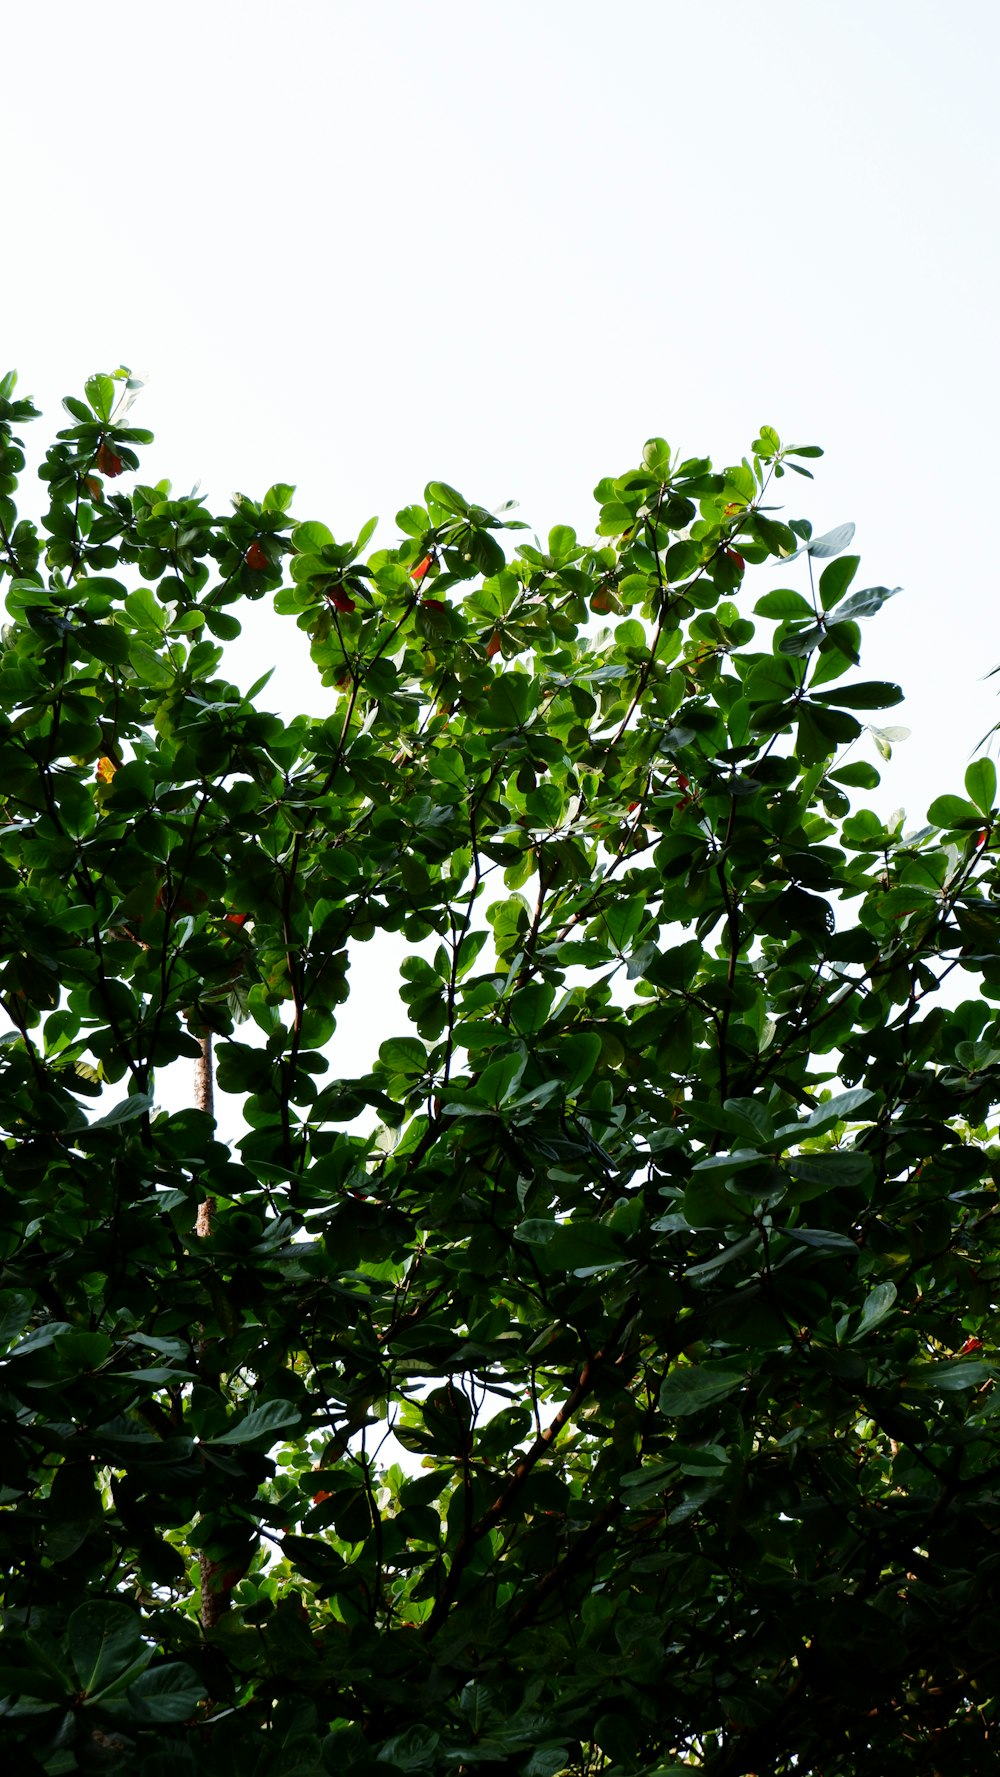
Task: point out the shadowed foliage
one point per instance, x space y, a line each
660 1233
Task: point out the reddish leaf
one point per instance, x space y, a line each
108 462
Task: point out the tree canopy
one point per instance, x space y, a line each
660 1235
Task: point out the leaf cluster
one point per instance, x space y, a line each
599 1378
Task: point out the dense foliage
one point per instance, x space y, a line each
662 1233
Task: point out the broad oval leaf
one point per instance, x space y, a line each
168 1692
832 542
104 1638
692 1388
266 1422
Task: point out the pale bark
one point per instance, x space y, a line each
214 1604
204 1100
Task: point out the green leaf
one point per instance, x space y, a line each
836 578
104 1638
710 1268
981 784
842 1107
874 695
438 493
404 1055
578 1056
821 732
530 1007
145 611
623 919
728 1165
127 1109
310 537
656 457
803 640
750 1120
169 1692
414 1750
775 536
772 681
267 1422
583 1248
15 1308
706 1459
511 698
692 1388
413 521
832 542
953 812
226 627
707 1203
864 604
562 543
815 1174
783 603
497 1081
825 1240
546 1761
100 392
877 1305
105 642
859 775
949 1375
150 668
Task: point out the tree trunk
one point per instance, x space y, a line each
204 1100
214 1603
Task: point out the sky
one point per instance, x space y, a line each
357 246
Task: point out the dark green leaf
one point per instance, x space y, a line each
104 1639
874 695
169 1692
266 1422
692 1388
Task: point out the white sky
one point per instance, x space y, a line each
357 245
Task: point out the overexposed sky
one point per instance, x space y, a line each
363 243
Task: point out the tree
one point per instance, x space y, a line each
663 1238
